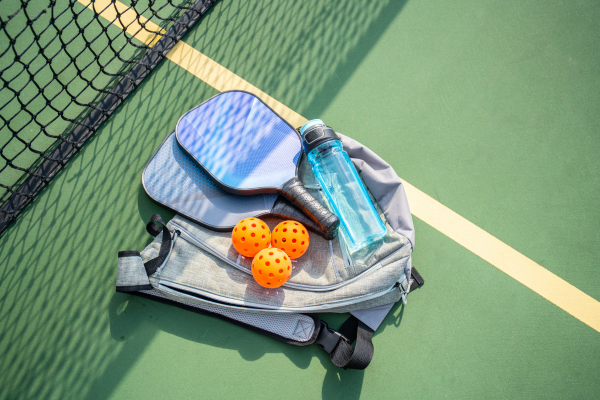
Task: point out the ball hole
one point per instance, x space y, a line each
295 223
275 241
255 244
276 229
235 230
243 228
304 233
271 275
293 250
285 223
262 226
293 240
270 253
254 225
263 237
285 258
260 271
302 243
283 240
260 258
267 263
268 283
246 250
285 229
252 234
281 271
277 260
289 268
295 230
243 239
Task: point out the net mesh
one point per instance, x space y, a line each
65 65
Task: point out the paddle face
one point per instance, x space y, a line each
174 179
241 143
248 149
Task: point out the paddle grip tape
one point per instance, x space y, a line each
283 209
294 191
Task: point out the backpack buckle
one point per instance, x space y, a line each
328 338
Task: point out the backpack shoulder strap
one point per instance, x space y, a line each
339 344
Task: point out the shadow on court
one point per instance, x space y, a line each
58 259
300 53
136 321
64 332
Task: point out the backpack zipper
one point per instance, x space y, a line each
191 238
171 288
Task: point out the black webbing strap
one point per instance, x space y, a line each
154 227
417 279
339 344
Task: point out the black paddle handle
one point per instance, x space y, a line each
285 210
294 191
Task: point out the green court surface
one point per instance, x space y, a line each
489 107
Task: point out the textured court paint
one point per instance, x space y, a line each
534 276
470 332
505 258
492 112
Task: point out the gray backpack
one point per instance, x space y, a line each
196 268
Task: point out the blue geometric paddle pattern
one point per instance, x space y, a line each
240 141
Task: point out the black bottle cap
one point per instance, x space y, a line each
316 136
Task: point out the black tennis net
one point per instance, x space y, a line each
65 66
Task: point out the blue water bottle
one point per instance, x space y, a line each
344 190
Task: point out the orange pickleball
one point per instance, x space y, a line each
291 237
271 268
250 236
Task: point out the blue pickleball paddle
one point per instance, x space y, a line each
174 179
248 149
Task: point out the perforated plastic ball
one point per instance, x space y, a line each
250 236
291 237
271 268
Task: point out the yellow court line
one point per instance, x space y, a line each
505 258
127 19
185 55
222 79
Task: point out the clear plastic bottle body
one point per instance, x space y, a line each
346 195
